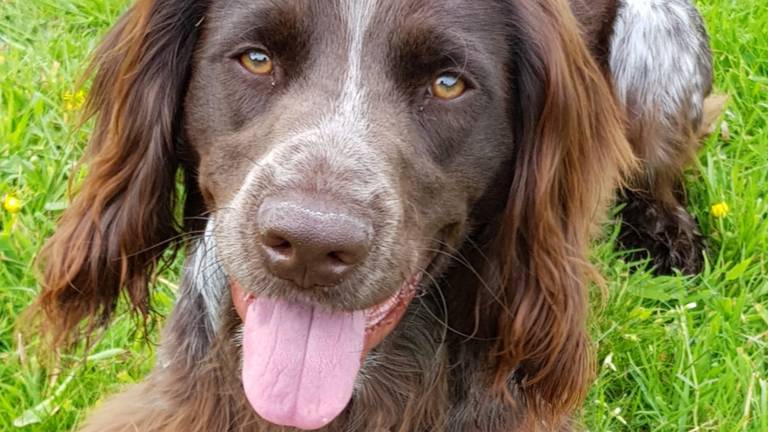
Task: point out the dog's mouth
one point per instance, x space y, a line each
300 360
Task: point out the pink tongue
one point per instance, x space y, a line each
300 361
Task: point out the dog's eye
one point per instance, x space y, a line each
448 86
257 62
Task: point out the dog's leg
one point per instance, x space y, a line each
662 71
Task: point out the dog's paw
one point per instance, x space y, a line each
669 235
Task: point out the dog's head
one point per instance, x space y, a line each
338 152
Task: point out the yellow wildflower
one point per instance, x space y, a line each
124 377
2 59
74 101
719 210
11 204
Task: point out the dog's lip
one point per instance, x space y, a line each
381 319
381 313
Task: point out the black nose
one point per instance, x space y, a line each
311 242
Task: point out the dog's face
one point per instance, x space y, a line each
339 150
388 117
342 147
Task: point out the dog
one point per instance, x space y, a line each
386 205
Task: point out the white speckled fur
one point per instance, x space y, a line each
660 61
207 275
656 55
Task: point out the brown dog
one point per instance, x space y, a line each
387 204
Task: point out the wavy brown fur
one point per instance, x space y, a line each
576 154
111 238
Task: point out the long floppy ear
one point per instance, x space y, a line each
111 238
570 154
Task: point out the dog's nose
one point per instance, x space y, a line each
311 242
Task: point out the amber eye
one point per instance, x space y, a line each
448 86
256 62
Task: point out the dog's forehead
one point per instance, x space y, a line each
371 17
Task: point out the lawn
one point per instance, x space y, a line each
673 353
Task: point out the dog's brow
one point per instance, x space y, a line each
418 52
281 27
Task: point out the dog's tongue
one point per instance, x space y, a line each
300 361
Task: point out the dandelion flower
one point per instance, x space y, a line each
74 101
11 204
719 210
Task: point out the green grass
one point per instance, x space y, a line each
674 354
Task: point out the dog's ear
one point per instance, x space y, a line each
111 238
570 151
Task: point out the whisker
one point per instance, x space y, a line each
463 261
164 242
444 322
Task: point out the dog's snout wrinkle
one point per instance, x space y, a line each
310 242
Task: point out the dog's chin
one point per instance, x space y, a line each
300 360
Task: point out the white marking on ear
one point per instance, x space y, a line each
207 276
